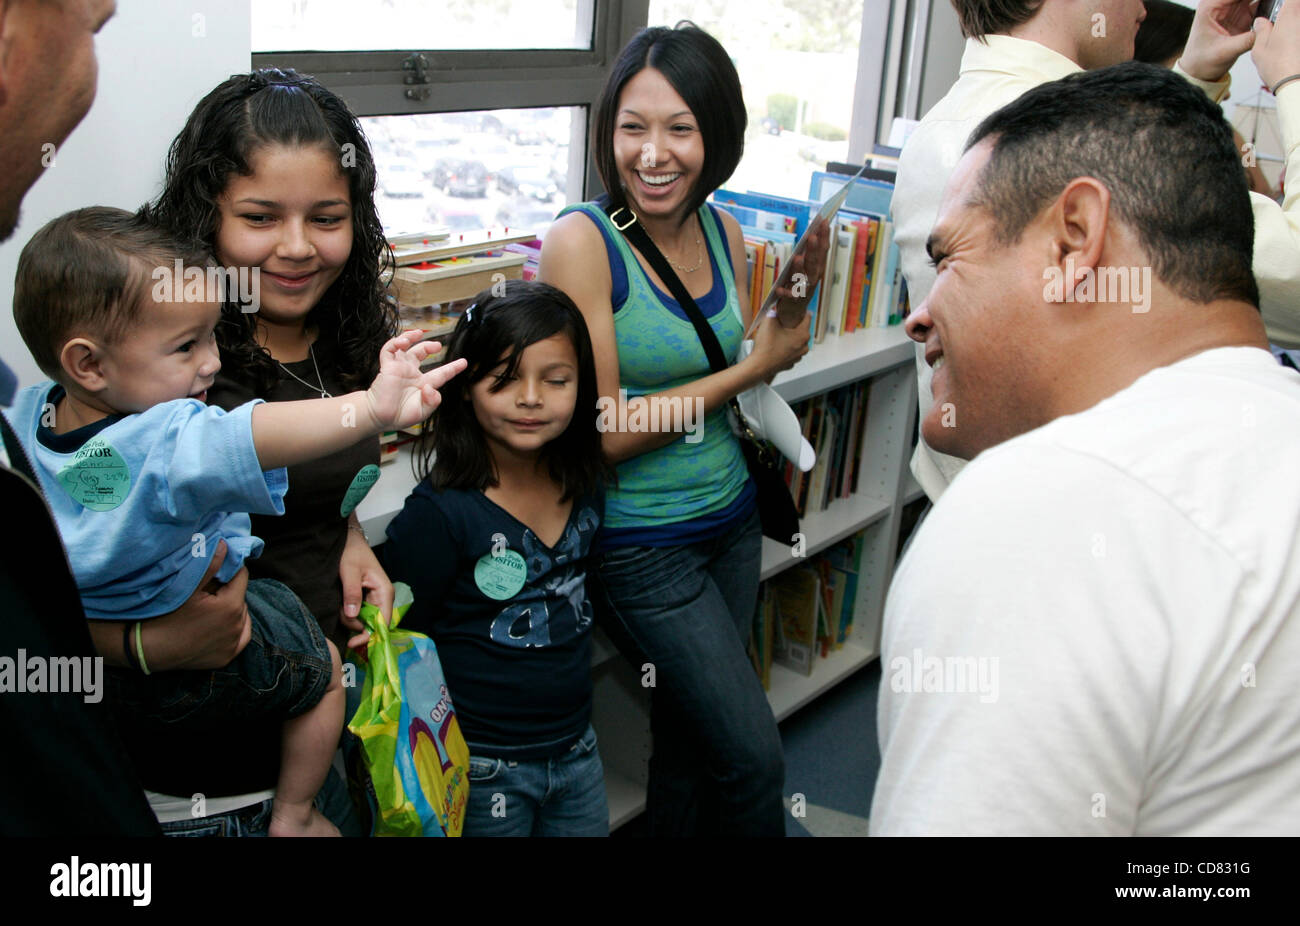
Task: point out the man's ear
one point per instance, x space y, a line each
1078 223
83 361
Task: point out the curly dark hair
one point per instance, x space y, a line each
452 451
241 116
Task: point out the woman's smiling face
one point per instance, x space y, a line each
658 148
291 219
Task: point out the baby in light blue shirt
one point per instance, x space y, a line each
144 479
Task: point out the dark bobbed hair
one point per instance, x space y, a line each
1161 148
452 451
992 17
700 70
241 116
87 272
1163 34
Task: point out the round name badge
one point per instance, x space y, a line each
362 483
501 576
98 477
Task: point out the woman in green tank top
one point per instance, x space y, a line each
679 563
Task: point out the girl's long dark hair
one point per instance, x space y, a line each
452 451
242 115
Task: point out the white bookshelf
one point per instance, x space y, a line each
842 518
791 691
621 705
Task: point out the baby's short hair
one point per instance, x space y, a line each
86 273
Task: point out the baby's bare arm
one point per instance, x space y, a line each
285 433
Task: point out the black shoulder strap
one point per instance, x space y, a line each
625 220
17 454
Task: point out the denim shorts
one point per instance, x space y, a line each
283 672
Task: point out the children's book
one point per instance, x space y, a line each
862 195
796 592
798 212
882 292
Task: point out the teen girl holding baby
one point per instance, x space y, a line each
272 172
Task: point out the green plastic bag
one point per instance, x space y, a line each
411 746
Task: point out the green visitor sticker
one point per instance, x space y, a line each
98 477
501 576
361 484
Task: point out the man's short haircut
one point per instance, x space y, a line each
701 72
991 17
86 273
1161 148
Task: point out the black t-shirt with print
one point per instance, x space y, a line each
510 616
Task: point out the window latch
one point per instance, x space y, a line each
417 64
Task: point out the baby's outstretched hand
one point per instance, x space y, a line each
401 394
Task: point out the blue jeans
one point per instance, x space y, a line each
717 765
254 820
563 796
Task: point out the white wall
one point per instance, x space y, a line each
152 70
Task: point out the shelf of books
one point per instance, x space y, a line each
842 518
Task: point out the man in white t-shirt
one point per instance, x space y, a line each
1096 629
1014 45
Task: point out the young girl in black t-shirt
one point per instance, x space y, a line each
495 543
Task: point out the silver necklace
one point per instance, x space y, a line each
320 380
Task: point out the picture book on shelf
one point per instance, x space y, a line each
797 212
797 594
862 195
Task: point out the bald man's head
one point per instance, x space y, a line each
48 77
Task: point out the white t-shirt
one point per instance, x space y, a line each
1097 629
